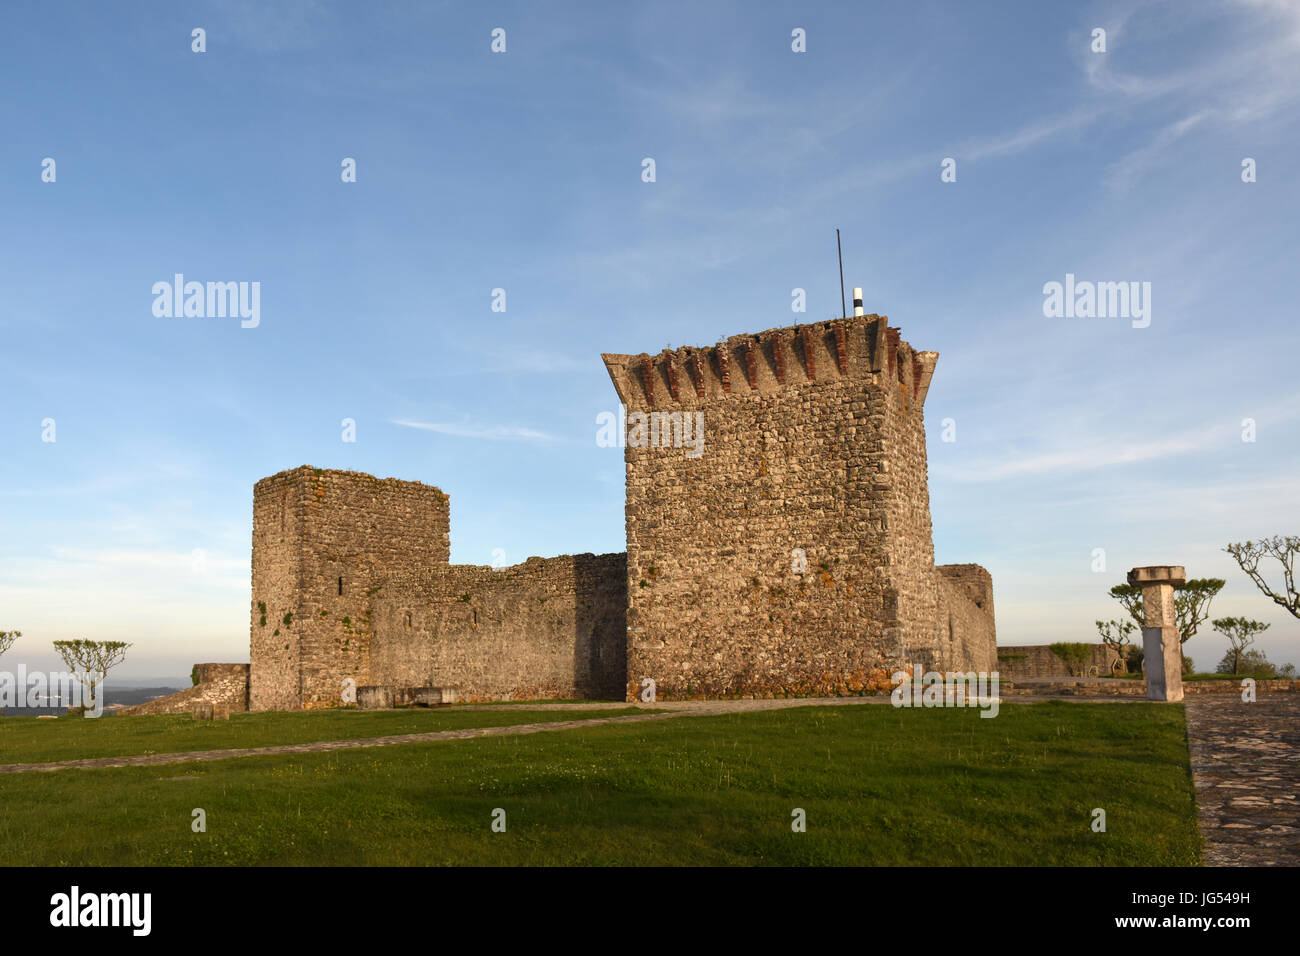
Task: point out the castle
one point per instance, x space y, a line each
778 544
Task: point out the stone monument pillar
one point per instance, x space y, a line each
1162 648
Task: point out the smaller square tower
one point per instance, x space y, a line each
322 541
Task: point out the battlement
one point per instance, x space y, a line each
862 347
359 478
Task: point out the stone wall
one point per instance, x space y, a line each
275 680
1105 687
966 626
322 541
1019 662
552 628
813 439
225 686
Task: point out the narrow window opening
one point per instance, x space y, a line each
340 587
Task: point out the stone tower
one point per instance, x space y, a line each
322 543
778 514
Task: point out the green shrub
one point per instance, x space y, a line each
1075 656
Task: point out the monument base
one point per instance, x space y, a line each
1162 658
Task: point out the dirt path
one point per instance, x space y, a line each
651 712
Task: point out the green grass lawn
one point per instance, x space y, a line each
879 786
32 740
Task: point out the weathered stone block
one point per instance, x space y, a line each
1163 662
376 697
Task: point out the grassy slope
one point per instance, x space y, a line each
31 740
880 786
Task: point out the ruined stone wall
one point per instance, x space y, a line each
813 440
966 627
550 628
1019 662
322 540
1100 687
225 686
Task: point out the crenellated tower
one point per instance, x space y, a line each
791 551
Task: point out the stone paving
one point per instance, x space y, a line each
1246 767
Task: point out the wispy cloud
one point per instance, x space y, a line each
1084 452
1132 167
486 432
1030 135
1252 73
1092 454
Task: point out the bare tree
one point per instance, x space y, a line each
89 661
1115 635
1191 603
1284 549
1240 633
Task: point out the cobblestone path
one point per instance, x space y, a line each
1246 766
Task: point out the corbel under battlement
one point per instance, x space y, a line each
861 347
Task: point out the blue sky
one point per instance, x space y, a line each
522 171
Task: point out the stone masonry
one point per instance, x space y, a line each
966 627
778 544
223 686
1162 649
351 580
323 541
544 629
787 549
1039 661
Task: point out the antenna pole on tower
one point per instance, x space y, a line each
840 252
